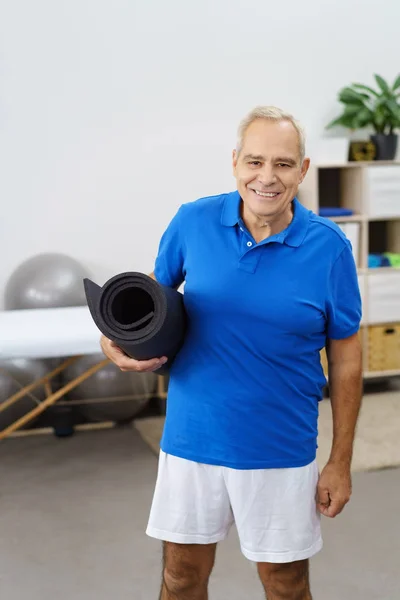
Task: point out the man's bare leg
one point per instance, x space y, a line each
285 581
186 571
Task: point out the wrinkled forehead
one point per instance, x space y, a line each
271 140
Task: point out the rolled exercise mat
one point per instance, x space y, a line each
144 318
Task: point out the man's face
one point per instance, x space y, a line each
268 169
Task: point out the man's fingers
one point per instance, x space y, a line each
125 363
331 510
115 347
141 366
333 489
323 509
334 508
323 501
323 497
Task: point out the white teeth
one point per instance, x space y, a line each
267 194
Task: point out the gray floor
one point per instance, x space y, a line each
73 513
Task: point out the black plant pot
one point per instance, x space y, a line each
386 145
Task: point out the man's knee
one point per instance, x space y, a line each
286 581
181 579
187 567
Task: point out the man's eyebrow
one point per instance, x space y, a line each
280 159
286 159
254 157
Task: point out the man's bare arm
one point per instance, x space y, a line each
345 390
345 384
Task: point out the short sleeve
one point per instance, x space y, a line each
170 259
343 299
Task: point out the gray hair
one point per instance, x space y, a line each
271 113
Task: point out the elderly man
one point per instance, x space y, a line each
267 284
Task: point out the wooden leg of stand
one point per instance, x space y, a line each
52 399
47 388
42 381
160 386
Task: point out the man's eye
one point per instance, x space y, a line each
255 163
283 165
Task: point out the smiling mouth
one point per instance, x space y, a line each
266 194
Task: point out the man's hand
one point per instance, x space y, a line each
125 363
334 489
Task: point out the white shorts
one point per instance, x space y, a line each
274 510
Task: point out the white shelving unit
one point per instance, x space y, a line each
372 191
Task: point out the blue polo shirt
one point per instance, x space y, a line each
245 387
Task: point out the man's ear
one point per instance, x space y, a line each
304 168
234 160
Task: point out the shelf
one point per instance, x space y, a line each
389 322
384 218
360 218
350 218
371 191
356 164
384 270
377 374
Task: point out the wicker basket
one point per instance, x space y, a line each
324 361
324 358
384 347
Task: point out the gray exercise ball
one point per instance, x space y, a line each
108 382
46 281
14 374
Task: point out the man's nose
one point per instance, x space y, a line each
267 175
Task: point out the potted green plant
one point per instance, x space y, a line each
379 109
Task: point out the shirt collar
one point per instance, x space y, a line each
293 235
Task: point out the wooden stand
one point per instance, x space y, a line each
51 397
161 391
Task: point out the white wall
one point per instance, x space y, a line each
114 112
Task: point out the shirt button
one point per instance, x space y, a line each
249 244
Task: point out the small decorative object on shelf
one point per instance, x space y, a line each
385 259
376 261
362 151
365 107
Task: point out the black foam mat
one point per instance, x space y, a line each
144 318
